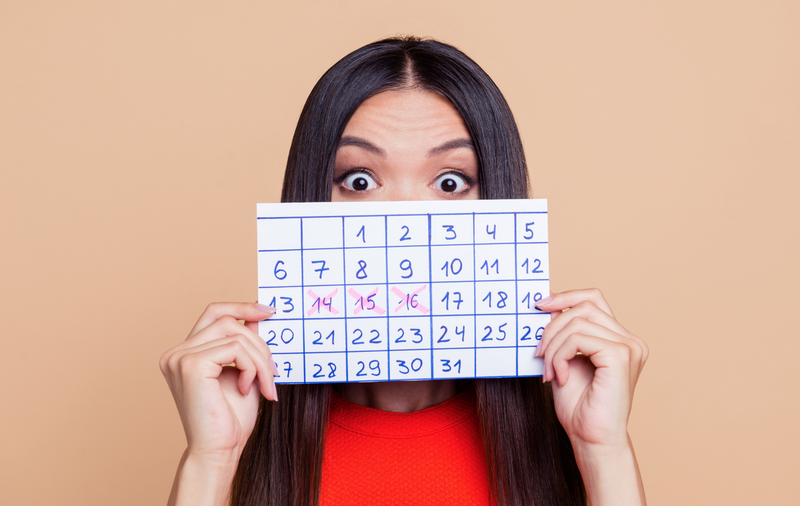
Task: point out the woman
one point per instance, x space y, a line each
408 119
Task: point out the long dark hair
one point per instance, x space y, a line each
529 456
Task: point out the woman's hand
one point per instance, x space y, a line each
215 376
595 363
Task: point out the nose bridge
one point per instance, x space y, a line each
406 185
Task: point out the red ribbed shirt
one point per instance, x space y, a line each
433 456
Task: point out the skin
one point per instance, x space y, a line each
407 145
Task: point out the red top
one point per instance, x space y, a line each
433 456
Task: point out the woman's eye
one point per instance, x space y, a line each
359 181
450 183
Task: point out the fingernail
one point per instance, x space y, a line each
275 370
544 301
275 391
265 309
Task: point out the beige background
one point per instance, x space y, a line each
136 138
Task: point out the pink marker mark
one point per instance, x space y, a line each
358 296
319 302
408 299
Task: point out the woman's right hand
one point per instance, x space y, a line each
217 402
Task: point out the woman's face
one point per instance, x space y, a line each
405 145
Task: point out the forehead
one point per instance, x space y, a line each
412 114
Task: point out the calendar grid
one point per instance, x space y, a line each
360 272
344 294
388 328
430 283
516 294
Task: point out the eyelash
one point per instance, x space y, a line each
467 179
470 181
341 177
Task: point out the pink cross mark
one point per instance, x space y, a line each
409 300
358 296
319 302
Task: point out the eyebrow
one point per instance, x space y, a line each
363 144
438 150
451 145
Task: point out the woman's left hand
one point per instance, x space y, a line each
596 363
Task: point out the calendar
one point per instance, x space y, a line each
385 291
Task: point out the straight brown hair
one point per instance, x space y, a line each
528 454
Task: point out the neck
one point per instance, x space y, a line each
401 396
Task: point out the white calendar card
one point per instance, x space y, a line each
385 291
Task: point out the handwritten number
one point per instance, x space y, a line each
373 365
362 272
416 365
441 338
362 234
405 236
446 367
502 331
453 267
322 269
528 232
495 265
451 229
457 300
287 368
493 232
279 273
318 340
535 269
406 266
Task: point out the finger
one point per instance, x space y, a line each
587 311
258 365
571 298
247 311
227 325
576 326
602 353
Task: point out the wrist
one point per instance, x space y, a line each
610 473
205 479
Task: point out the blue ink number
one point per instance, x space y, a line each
501 302
535 269
284 333
453 267
528 232
457 300
320 374
321 269
362 272
527 299
458 332
279 273
500 329
416 365
495 265
374 366
406 266
446 367
318 340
